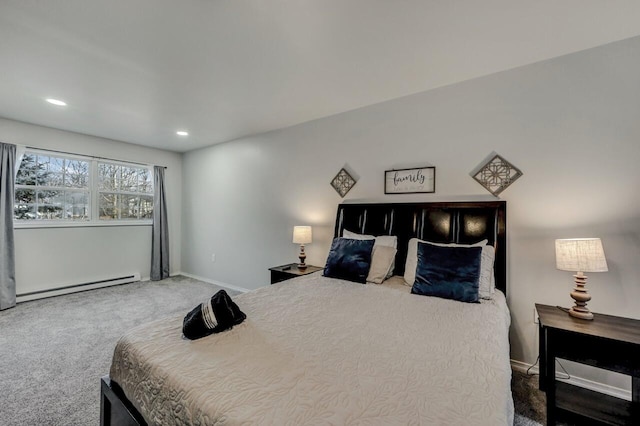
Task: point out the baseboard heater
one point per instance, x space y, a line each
75 288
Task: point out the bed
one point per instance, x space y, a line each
319 350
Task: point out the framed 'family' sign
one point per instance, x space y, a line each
410 181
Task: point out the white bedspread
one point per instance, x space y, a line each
318 351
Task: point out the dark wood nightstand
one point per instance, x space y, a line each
608 342
286 272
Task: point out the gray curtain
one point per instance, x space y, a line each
160 231
7 254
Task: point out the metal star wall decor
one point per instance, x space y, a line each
343 182
497 174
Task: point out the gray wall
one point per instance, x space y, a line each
571 124
55 257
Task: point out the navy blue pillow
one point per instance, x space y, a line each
349 259
448 272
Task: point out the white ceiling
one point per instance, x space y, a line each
137 71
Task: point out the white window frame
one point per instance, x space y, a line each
94 219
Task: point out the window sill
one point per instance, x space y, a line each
29 225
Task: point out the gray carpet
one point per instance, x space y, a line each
528 401
55 350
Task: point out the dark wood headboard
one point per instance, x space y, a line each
448 222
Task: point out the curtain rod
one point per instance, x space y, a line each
93 156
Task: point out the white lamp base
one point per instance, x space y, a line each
581 296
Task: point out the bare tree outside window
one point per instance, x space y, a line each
123 192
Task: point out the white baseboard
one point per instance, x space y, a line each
134 278
218 283
578 381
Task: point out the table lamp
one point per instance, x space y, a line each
580 255
302 236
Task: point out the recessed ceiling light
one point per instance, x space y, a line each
182 133
56 102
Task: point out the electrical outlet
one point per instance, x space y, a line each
536 319
213 258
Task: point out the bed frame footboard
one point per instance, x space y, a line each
115 408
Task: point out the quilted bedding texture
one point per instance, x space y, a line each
317 351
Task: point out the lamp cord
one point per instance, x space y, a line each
559 363
565 371
533 365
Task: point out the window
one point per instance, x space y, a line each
53 189
124 192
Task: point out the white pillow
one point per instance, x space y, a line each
487 278
381 261
382 240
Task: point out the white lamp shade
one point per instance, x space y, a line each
302 234
580 255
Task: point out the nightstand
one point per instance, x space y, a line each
608 342
286 272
